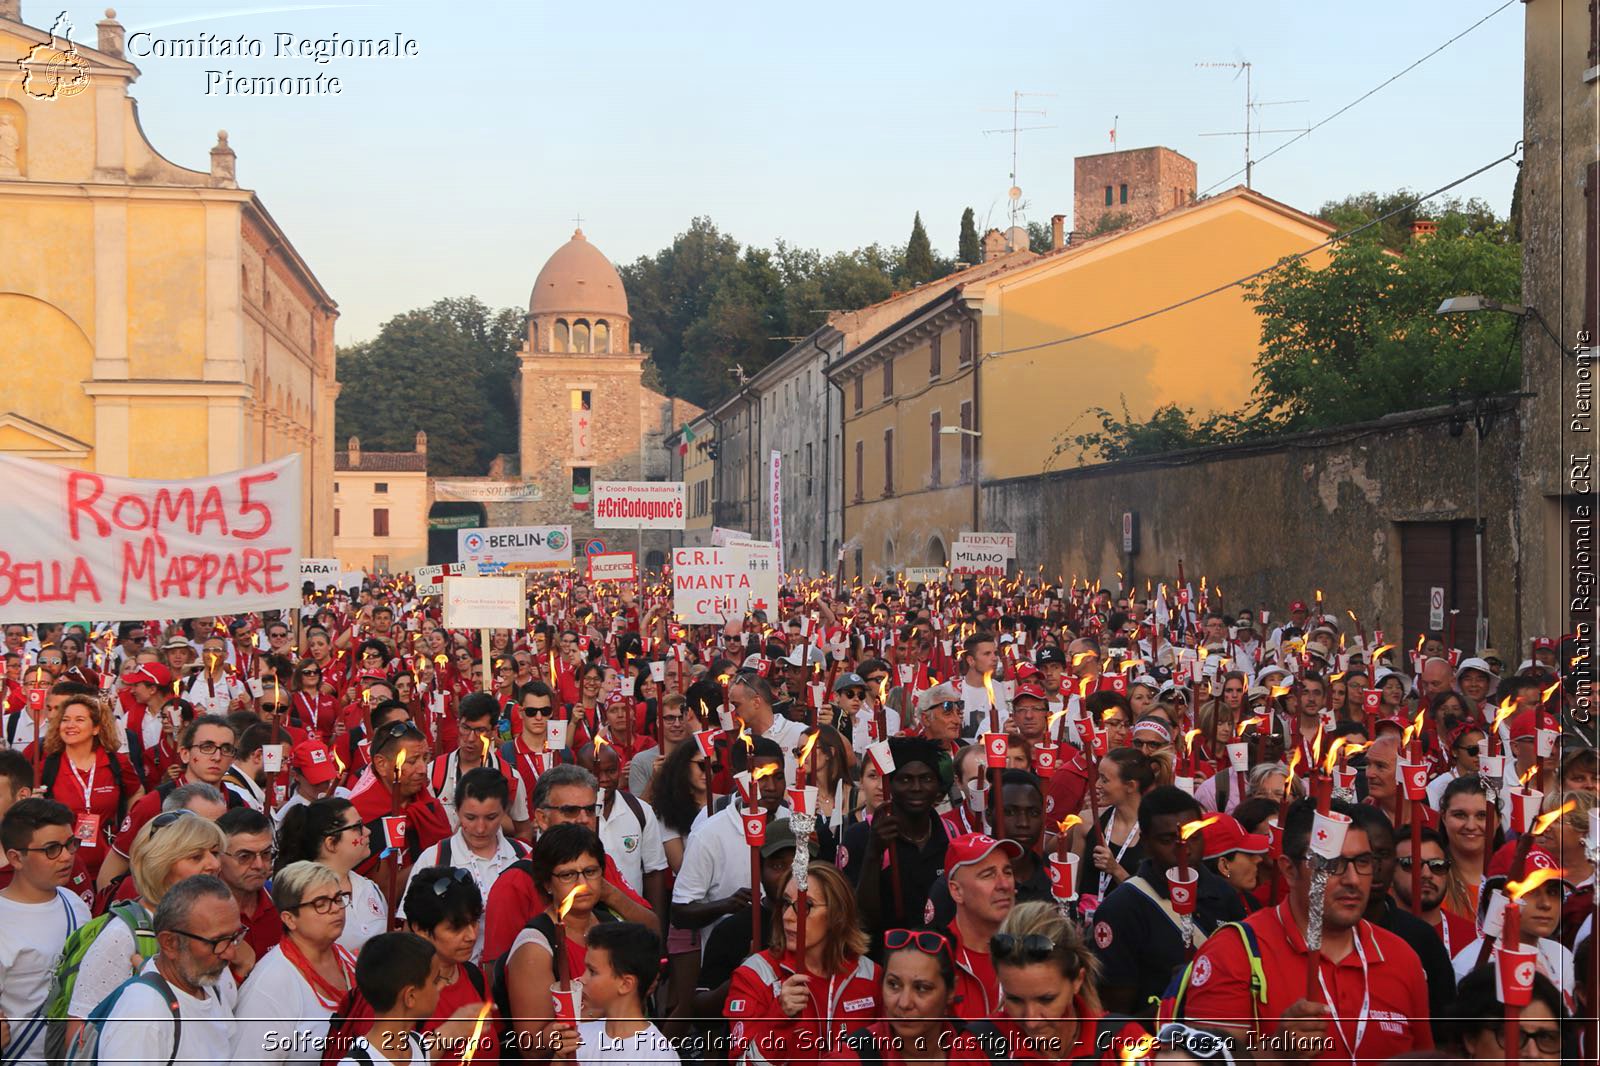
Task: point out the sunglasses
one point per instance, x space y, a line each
455 876
1033 947
542 712
927 941
350 828
1437 866
161 821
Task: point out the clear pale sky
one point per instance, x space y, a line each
826 124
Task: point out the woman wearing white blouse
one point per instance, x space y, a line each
330 832
285 1004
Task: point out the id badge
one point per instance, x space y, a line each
87 828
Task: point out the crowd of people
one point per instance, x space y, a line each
985 820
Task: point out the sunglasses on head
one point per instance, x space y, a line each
1033 947
455 875
927 941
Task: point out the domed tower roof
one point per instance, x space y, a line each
578 278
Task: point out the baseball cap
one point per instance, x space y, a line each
780 836
1031 691
150 674
314 761
1298 605
1225 835
1526 724
1538 859
1474 664
1051 654
969 848
851 680
1544 644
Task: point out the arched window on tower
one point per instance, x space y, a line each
560 336
602 336
580 336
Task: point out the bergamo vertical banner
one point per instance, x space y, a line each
85 545
775 500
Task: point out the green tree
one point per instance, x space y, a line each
1110 222
919 265
447 369
968 250
1455 217
1038 237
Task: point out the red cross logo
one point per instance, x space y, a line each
1322 834
758 605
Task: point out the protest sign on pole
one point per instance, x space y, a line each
513 548
969 558
613 566
720 536
991 542
640 505
320 572
713 585
775 500
485 603
80 544
919 574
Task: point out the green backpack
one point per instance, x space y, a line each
56 1045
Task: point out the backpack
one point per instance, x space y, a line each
502 995
72 953
86 1045
1175 1002
354 1015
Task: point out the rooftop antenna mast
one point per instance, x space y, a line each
1251 118
1015 129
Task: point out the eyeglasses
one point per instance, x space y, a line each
455 876
161 821
272 708
211 747
574 810
787 904
324 904
247 858
1436 866
571 877
1364 864
53 850
1197 1042
352 827
1548 1041
1033 947
1148 746
542 712
667 719
311 673
475 730
927 941
219 944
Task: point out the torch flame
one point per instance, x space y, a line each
1066 824
1316 749
1294 764
1549 818
988 686
572 897
1139 1049
805 752
1078 658
399 761
1050 723
1518 889
1528 774
477 1033
1279 691
763 771
442 660
598 741
1333 754
1191 828
485 739
1544 697
1508 707
1188 739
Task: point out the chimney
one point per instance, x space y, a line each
994 245
222 162
112 34
1058 232
354 450
1422 229
11 9
422 442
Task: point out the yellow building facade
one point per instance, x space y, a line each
986 360
155 321
380 508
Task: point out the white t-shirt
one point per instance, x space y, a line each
296 799
368 914
635 848
218 697
647 1045
139 1027
31 938
280 1017
419 1056
716 859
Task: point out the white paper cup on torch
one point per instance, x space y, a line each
1185 783
881 758
255 688
1494 919
725 719
658 670
568 1002
272 758
1327 834
1064 877
994 750
1492 767
556 734
706 739
1044 759
755 826
803 800
1545 743
1344 779
746 785
1181 886
1525 803
1513 971
947 645
977 796
1239 757
1414 779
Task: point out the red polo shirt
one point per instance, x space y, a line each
977 986
514 901
1379 995
263 929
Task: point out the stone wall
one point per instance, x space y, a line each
1275 521
1158 179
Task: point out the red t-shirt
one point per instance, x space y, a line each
1068 786
70 787
452 998
263 928
426 821
1379 994
514 901
976 982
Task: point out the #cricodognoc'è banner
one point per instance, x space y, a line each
79 544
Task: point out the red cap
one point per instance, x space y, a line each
1025 671
1032 690
1298 605
969 848
151 674
1225 835
314 761
1538 859
1525 725
1544 644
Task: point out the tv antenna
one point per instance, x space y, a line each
1251 117
1014 194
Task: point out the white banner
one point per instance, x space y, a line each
1005 542
323 572
613 566
640 505
721 536
487 491
711 585
433 577
85 545
918 574
484 602
516 548
775 501
967 558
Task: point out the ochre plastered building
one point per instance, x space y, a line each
155 321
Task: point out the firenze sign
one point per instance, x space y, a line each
81 544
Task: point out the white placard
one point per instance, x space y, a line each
775 499
1006 542
323 572
920 574
640 505
721 536
484 603
977 559
711 585
1436 608
516 548
613 566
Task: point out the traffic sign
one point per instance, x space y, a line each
594 547
1436 608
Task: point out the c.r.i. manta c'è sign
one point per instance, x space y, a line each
81 544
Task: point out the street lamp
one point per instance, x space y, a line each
958 431
1457 305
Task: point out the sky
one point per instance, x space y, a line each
459 170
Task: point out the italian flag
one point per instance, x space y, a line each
685 440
